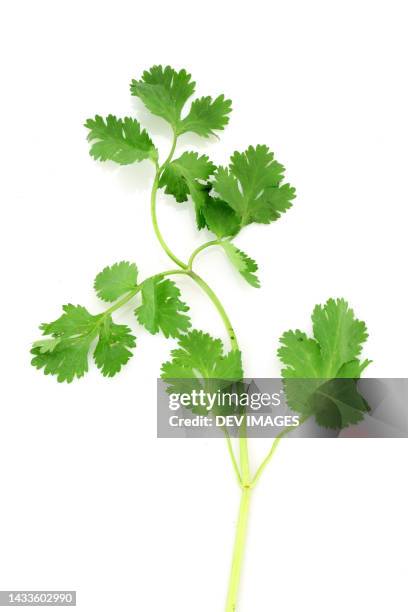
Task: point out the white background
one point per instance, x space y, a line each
90 499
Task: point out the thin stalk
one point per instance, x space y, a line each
272 451
126 298
267 458
239 548
218 305
242 523
171 153
156 228
201 248
232 455
153 197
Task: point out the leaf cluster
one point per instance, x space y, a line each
251 189
76 334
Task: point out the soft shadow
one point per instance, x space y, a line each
193 140
160 128
132 177
153 124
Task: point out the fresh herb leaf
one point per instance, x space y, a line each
338 340
46 346
200 355
205 116
114 281
120 140
182 178
244 264
220 218
316 366
65 354
75 321
75 331
251 186
181 174
164 92
162 309
199 363
301 355
339 334
336 403
353 368
112 351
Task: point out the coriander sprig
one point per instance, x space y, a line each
250 189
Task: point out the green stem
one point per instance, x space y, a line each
199 249
153 211
220 308
171 153
273 449
268 458
244 458
239 548
242 523
232 455
157 231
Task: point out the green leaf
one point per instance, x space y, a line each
339 334
114 281
199 363
353 369
335 403
75 331
75 321
162 309
120 140
252 186
200 355
244 264
321 372
112 351
179 176
182 178
205 116
338 339
164 92
65 354
46 346
301 355
220 218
